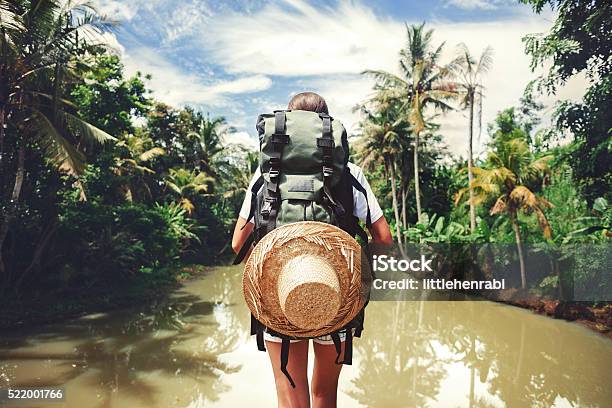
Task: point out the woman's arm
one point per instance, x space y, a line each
241 235
381 236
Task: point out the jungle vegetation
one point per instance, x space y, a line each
103 185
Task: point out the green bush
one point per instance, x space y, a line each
103 243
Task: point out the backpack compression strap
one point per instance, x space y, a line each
326 144
351 223
271 196
257 329
348 346
285 359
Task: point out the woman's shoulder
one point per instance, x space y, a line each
356 171
354 168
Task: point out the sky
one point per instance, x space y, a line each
239 58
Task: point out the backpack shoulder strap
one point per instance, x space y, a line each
357 185
254 190
251 238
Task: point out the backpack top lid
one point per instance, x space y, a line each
300 153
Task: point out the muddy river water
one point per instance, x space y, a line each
193 349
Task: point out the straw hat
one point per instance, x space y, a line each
305 279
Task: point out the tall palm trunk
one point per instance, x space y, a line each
395 206
4 82
11 211
470 165
404 209
417 187
519 247
2 120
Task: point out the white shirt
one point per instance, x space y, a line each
360 207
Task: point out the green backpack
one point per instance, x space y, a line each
304 177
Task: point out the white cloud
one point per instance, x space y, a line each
176 87
185 19
116 10
175 20
303 40
110 40
341 95
473 4
326 48
241 139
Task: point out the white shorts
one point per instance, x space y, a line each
326 340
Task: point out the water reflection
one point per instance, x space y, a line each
123 355
478 354
194 346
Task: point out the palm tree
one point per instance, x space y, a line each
423 83
207 144
238 175
470 72
510 169
187 185
135 166
381 144
40 43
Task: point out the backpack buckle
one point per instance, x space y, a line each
324 142
328 171
266 209
273 173
279 138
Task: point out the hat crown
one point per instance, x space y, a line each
309 291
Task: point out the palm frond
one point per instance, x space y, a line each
543 222
523 198
500 206
151 153
87 131
486 61
58 150
10 20
386 77
173 187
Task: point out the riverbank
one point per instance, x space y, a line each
597 318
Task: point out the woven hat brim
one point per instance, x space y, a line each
268 257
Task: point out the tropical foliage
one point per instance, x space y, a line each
101 184
520 192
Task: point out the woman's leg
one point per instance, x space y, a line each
325 375
289 397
